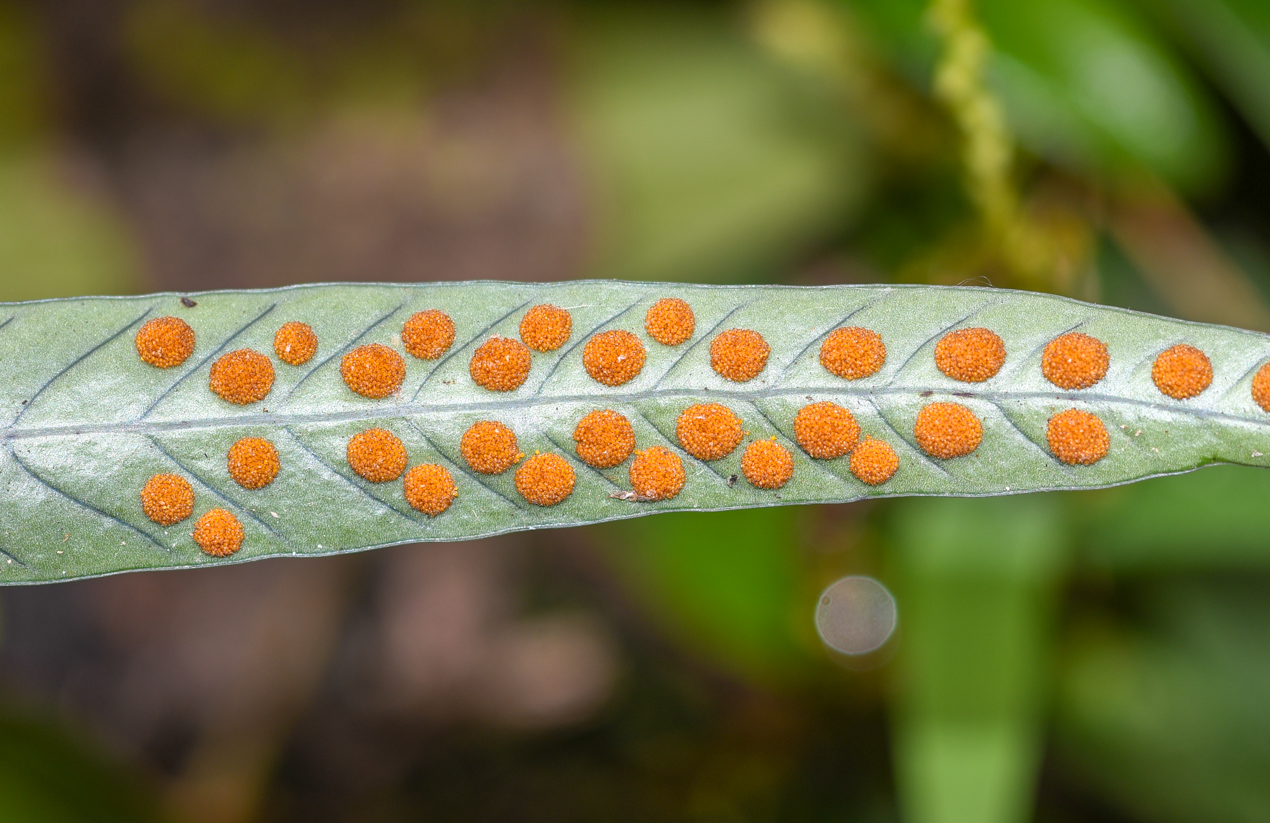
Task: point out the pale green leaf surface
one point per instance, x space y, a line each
86 422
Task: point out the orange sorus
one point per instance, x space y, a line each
604 438
970 355
1075 361
295 343
670 321
853 353
1077 437
613 357
242 377
1182 371
377 455
165 342
546 327
947 430
167 499
428 334
429 488
739 354
489 447
826 430
708 431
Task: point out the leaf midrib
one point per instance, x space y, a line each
413 410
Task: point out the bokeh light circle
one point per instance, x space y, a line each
856 615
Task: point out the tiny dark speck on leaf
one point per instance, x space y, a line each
927 393
732 481
188 303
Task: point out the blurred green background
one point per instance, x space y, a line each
1067 657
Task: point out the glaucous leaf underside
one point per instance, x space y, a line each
87 422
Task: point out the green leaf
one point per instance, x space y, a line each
977 582
86 422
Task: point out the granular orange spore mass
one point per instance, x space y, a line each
767 464
613 357
657 473
970 355
708 431
165 342
377 455
1075 361
489 447
853 353
167 499
670 321
430 489
218 533
545 479
295 343
253 462
604 438
1261 387
739 354
546 328
947 430
826 430
874 462
1182 371
500 364
373 370
428 334
1077 437
242 377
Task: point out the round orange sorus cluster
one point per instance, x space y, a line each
657 473
1261 387
1182 371
428 334
708 431
373 370
604 438
242 377
613 357
826 430
253 462
874 462
165 342
295 343
947 430
500 364
218 533
739 354
545 479
546 327
1077 437
167 499
430 489
970 355
767 464
670 321
489 447
853 353
1075 361
377 455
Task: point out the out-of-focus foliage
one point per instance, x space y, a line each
711 161
57 239
46 776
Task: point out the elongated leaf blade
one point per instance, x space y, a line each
86 422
